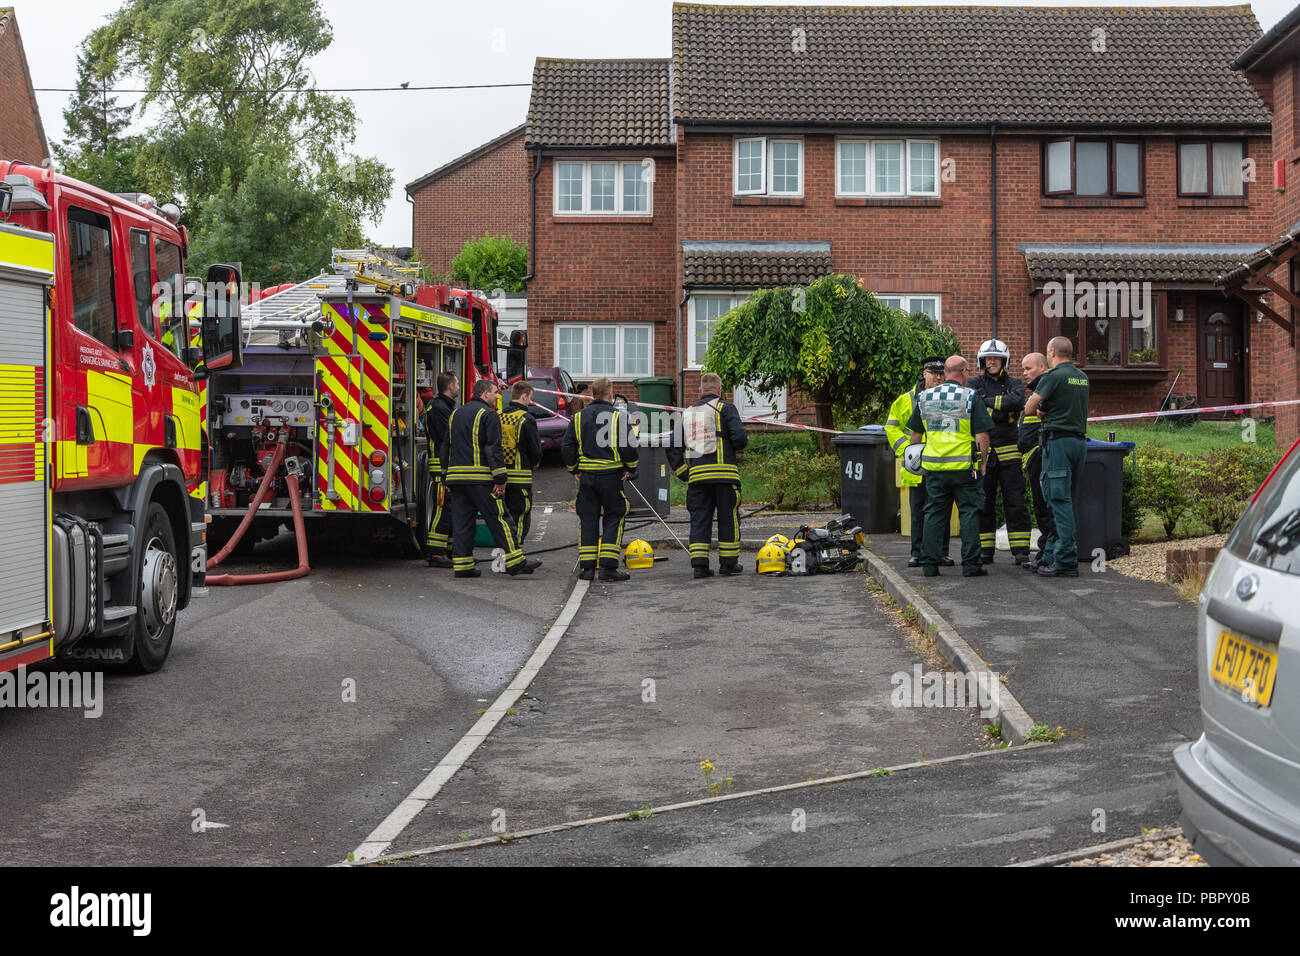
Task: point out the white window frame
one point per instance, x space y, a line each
586 164
906 178
585 372
693 361
907 297
765 171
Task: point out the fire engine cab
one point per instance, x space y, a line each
100 427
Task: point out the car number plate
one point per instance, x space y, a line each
1243 666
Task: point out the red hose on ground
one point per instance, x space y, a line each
263 486
299 531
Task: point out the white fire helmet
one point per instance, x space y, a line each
994 348
912 458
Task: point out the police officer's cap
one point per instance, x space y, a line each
932 364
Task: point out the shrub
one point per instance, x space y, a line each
491 262
1221 488
1131 511
1166 484
794 478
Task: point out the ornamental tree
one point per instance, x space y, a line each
833 340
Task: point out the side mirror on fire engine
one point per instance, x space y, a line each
517 355
222 347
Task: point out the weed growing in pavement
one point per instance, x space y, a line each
480 712
464 838
716 788
1041 733
645 813
1189 588
879 772
994 730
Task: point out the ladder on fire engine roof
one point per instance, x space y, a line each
386 273
292 308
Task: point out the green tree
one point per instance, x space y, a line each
98 149
491 262
833 339
230 89
279 222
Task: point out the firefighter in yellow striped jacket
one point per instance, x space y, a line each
1004 397
522 446
474 474
705 459
436 419
598 451
899 436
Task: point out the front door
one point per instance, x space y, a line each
1220 351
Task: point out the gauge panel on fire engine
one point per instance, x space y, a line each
248 410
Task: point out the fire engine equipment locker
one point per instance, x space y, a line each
26 272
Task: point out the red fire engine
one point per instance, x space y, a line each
322 421
100 428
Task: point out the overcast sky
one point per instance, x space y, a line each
388 42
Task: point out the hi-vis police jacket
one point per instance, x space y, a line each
899 435
471 452
951 415
720 466
597 441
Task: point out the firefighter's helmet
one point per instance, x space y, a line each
771 558
639 554
994 348
912 458
781 541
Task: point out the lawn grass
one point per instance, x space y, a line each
749 461
1194 439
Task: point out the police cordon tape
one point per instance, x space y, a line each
763 420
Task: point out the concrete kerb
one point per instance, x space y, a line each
1014 720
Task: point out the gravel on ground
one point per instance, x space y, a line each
1172 851
1147 561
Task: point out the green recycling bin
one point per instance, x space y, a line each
657 390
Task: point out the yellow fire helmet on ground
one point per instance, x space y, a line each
639 554
781 541
771 558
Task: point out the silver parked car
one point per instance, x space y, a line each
1240 782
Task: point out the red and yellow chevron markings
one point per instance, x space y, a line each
22 413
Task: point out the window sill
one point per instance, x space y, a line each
1211 201
1078 202
1135 372
584 219
888 201
767 200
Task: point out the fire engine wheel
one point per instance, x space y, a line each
157 592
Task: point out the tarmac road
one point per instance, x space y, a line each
247 721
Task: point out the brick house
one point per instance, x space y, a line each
982 164
1272 65
483 191
22 136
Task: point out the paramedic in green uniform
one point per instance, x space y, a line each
1062 395
954 424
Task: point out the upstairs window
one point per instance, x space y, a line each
602 189
929 304
767 167
1211 168
1092 168
887 167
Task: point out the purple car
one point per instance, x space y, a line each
552 411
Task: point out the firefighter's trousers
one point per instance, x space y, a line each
1042 510
519 502
602 506
943 488
439 538
703 498
1003 470
468 501
918 498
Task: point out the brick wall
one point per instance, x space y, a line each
920 246
607 269
488 194
20 129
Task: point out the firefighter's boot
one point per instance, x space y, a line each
526 566
613 574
